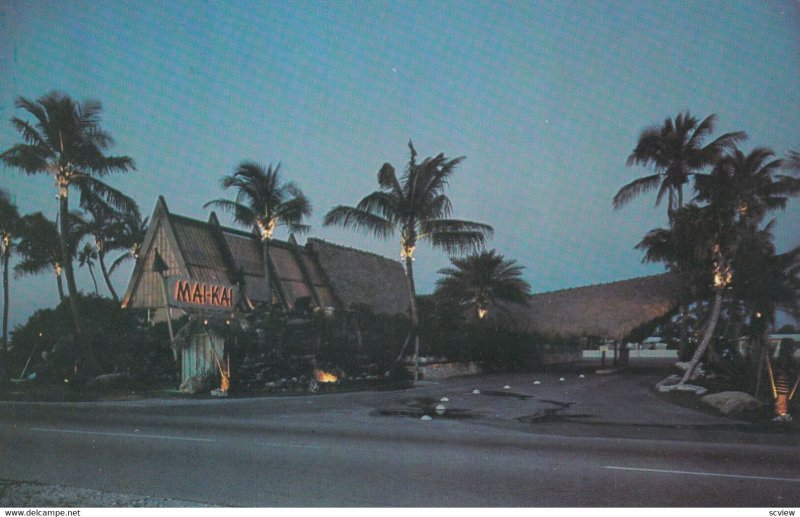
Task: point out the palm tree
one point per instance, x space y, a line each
676 151
416 206
128 236
39 249
265 203
9 231
67 141
480 281
109 230
739 191
747 186
86 257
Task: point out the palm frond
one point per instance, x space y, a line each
31 159
359 220
384 204
635 188
241 214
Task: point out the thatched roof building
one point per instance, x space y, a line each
608 311
360 278
210 258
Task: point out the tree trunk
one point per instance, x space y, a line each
60 286
683 347
265 263
106 276
94 280
707 334
66 257
66 260
6 258
412 292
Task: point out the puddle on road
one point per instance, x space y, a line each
418 407
518 396
553 415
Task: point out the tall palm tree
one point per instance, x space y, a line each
699 247
675 150
128 236
67 141
416 207
747 186
9 231
39 249
744 188
86 257
264 202
713 239
480 281
108 228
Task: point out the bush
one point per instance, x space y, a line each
121 339
446 333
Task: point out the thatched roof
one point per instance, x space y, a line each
608 311
327 274
360 278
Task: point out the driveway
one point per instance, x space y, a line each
596 440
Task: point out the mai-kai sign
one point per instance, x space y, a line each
187 294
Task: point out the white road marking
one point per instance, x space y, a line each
708 474
162 437
124 435
299 446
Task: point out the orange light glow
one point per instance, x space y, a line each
224 373
322 376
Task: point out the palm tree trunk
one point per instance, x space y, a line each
94 281
86 348
6 258
107 277
683 351
265 263
60 286
66 259
709 331
412 292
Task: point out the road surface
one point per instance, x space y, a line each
595 441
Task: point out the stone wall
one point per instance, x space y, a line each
439 371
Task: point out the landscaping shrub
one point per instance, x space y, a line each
122 340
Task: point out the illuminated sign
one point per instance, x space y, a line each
186 293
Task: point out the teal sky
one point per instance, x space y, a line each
545 100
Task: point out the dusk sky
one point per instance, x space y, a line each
545 99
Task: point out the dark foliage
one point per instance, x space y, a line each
124 342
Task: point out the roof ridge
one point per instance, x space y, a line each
225 229
348 248
664 274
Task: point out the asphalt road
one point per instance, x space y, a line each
594 441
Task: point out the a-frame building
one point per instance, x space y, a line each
208 258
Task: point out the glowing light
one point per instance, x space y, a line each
224 373
266 230
722 276
326 377
482 312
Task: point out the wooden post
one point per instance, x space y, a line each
168 311
161 267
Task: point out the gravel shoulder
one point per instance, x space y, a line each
15 494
